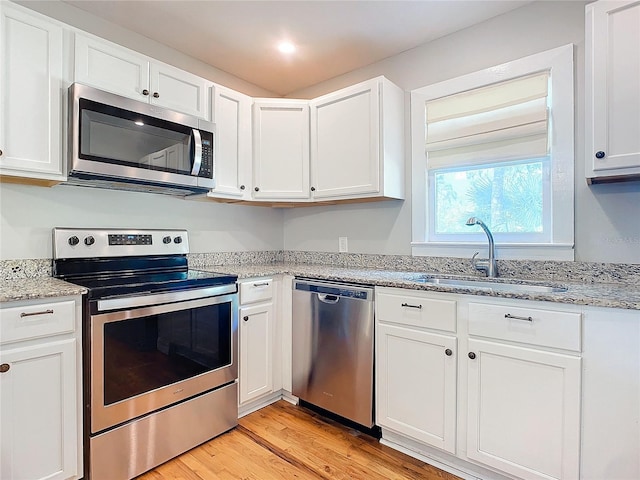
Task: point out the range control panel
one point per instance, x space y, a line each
95 243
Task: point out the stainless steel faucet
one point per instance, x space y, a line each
488 266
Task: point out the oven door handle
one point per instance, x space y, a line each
118 303
196 160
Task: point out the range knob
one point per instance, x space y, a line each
89 240
166 240
73 241
177 240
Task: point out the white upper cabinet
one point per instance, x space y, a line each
280 149
31 90
232 116
118 70
612 83
357 142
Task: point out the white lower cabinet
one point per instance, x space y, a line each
488 387
416 366
40 391
417 385
523 410
260 357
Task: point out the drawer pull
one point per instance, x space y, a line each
32 314
516 317
411 306
4 367
261 284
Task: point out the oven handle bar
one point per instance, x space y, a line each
168 297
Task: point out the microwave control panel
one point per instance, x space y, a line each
206 167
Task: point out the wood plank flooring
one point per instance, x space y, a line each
284 441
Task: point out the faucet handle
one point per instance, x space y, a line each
474 261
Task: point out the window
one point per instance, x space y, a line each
497 145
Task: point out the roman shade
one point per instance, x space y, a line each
500 122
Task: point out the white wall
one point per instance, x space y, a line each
607 216
29 213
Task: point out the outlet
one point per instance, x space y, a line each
342 244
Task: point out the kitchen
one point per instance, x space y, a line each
605 226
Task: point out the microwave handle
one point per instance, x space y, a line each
197 152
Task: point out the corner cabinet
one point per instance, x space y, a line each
40 390
612 84
31 95
357 142
416 355
232 116
118 70
280 150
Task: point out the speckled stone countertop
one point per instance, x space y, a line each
602 294
37 288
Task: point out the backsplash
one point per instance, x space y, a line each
581 272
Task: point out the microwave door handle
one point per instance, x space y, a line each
197 153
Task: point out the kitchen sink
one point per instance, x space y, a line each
490 285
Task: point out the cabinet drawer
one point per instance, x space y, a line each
416 310
534 326
256 290
37 320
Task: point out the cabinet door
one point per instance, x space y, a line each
281 149
110 67
232 116
416 385
31 86
256 351
38 411
613 87
523 411
178 90
345 142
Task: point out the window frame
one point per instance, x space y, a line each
559 61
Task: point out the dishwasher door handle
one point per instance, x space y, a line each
327 298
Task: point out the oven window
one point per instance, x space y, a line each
146 353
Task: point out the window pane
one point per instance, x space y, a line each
508 198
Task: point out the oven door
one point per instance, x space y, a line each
149 357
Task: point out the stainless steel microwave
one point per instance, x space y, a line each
119 143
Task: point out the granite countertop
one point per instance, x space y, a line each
37 288
611 295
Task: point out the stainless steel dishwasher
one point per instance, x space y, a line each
333 348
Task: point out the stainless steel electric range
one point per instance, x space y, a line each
160 351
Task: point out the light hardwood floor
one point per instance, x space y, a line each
283 441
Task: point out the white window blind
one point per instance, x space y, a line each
504 121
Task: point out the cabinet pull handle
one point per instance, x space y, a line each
43 312
256 189
516 317
472 355
246 318
145 92
0 153
242 187
600 154
4 367
261 284
411 306
156 95
448 352
313 189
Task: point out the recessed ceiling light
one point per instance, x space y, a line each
286 47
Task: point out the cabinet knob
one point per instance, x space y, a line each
472 355
145 92
246 318
257 189
600 154
241 187
4 367
0 153
448 352
156 95
313 189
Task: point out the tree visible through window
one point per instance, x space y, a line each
507 197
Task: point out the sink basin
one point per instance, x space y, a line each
491 285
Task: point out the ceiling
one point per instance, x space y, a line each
332 37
